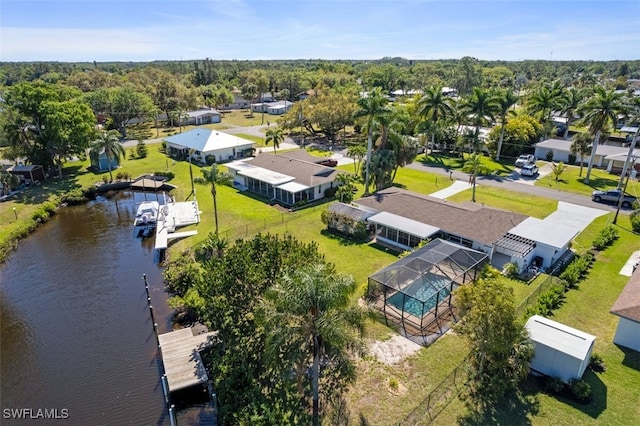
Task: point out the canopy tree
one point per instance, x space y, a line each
499 343
122 104
520 133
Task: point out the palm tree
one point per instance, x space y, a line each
433 106
633 117
214 177
474 166
581 146
274 135
558 169
109 143
310 319
371 107
344 193
544 101
504 100
600 111
569 104
481 107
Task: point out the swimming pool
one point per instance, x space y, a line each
419 304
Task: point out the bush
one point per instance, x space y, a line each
119 176
73 197
635 221
210 159
330 192
141 149
549 155
168 174
596 364
163 147
572 159
580 389
577 269
43 214
554 384
605 237
510 270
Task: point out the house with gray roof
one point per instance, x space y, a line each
627 308
283 179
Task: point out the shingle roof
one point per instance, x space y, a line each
304 172
628 303
475 222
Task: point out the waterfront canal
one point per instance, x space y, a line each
76 333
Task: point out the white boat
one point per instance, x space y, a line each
147 214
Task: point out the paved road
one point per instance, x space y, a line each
516 183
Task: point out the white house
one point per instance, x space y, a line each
273 108
627 308
560 351
283 179
238 103
202 116
201 143
607 156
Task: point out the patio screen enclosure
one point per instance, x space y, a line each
415 292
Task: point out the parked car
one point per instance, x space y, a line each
525 159
529 170
613 196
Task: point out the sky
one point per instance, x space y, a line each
142 30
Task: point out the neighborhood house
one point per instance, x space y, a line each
627 308
283 179
198 144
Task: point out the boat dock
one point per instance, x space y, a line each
173 216
180 351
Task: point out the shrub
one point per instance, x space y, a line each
577 269
510 270
210 159
554 384
572 159
580 389
596 364
394 385
73 197
635 221
163 147
168 174
141 149
605 237
105 179
551 300
330 192
549 155
119 176
43 213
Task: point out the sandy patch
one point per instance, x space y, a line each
394 350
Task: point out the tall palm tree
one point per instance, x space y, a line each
433 106
311 319
633 117
599 112
546 99
214 177
371 107
474 166
481 107
274 135
109 143
505 100
581 146
569 104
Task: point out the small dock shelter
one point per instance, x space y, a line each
183 365
560 351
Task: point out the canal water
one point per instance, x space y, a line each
76 334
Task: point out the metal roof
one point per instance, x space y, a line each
553 234
560 337
207 140
293 187
353 212
261 174
410 226
519 245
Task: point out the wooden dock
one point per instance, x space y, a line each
181 358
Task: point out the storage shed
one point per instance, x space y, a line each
560 351
30 173
627 307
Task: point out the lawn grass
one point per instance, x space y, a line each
530 205
244 118
571 181
456 162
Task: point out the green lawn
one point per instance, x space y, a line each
571 181
456 162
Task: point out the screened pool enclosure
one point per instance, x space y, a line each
414 293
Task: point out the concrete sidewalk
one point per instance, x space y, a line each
457 186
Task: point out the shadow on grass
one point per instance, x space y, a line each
342 239
52 187
631 358
384 248
514 409
597 182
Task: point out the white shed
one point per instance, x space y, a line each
627 307
201 142
560 351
